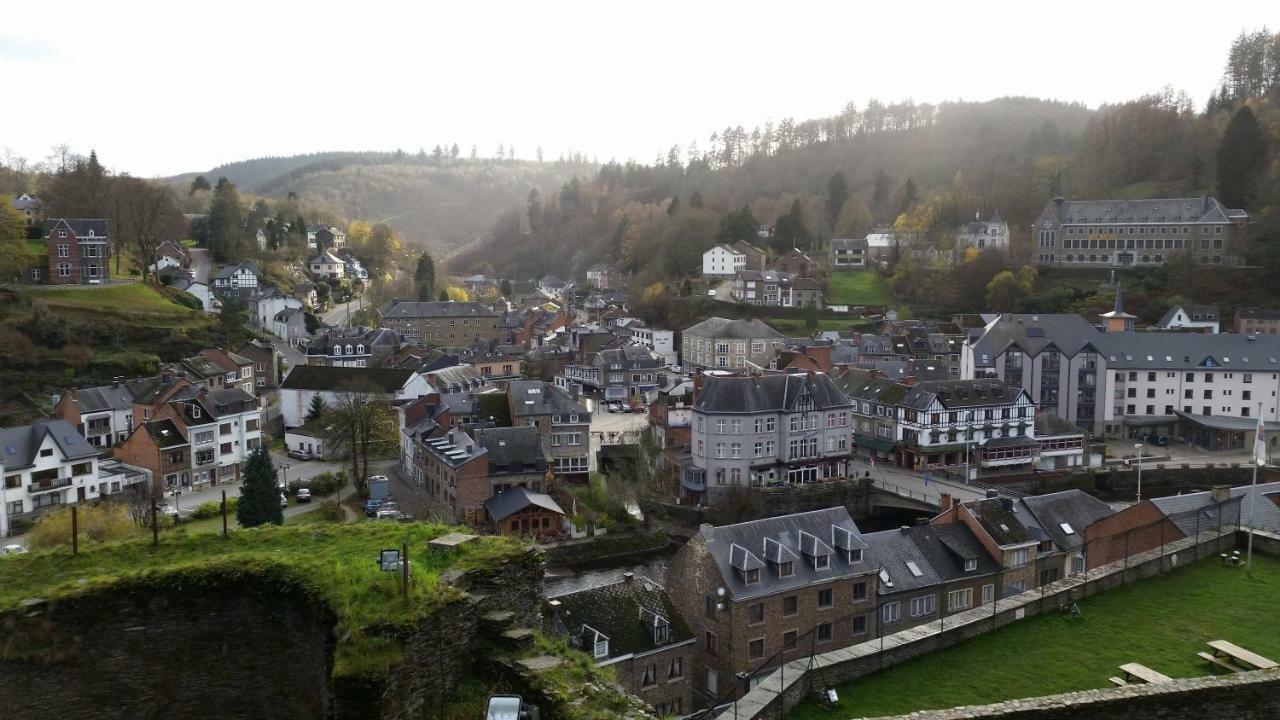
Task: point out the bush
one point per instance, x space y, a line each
205 511
326 483
330 511
96 523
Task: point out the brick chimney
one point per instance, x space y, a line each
944 502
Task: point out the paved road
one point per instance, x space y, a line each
201 265
339 316
287 470
897 479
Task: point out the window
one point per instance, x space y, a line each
1020 557
960 599
859 625
720 427
821 562
824 599
988 593
650 675
676 669
789 640
755 648
824 632
790 605
1016 587
786 569
710 641
924 605
46 452
755 614
890 613
753 576
859 591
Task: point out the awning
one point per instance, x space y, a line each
1008 442
873 443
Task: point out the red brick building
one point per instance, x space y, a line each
77 251
161 447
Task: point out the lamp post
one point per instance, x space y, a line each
1138 447
285 469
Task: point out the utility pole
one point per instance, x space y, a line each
1138 447
224 513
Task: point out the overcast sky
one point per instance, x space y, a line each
168 87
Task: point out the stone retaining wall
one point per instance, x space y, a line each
1243 696
786 687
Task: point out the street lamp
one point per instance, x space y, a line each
1138 447
285 469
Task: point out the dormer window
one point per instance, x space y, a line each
337 349
970 565
752 576
360 349
349 350
195 411
853 556
821 562
786 569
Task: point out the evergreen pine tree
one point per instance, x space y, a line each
1242 160
259 495
444 296
506 289
424 276
837 195
316 408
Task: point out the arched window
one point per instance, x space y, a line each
337 349
349 350
360 349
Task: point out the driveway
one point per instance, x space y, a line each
200 264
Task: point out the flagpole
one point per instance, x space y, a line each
1259 450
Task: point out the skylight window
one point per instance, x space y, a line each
1066 528
915 569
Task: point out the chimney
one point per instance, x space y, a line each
1007 504
944 502
1220 493
628 576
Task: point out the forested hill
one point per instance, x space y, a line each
441 200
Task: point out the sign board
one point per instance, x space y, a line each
389 560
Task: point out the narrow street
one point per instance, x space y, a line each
200 264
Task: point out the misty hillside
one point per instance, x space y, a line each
442 201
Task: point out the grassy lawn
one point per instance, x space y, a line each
858 288
336 563
133 298
1161 623
795 327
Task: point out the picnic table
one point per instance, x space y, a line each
1142 673
1224 651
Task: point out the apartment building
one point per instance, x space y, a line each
847 254
943 423
443 324
461 471
1257 321
353 347
629 372
873 409
760 593
663 342
45 465
563 423
102 414
1129 233
777 429
633 627
77 251
222 428
725 261
266 366
161 447
723 344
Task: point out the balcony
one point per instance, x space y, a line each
694 480
47 485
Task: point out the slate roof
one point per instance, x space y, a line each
337 379
767 393
948 546
718 327
847 244
1189 351
750 539
226 272
455 378
860 385
438 309
1181 508
1001 524
514 449
25 201
104 397
631 356
19 444
1257 313
960 394
369 337
513 500
1034 333
1207 313
623 612
1201 209
1076 508
164 433
890 552
532 398
80 227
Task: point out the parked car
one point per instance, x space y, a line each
284 500
386 513
167 509
371 507
300 455
12 549
1159 440
303 495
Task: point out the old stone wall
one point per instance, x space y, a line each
784 689
234 651
1243 696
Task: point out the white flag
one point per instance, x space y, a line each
1260 443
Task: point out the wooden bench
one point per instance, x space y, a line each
1220 662
1134 671
1240 655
